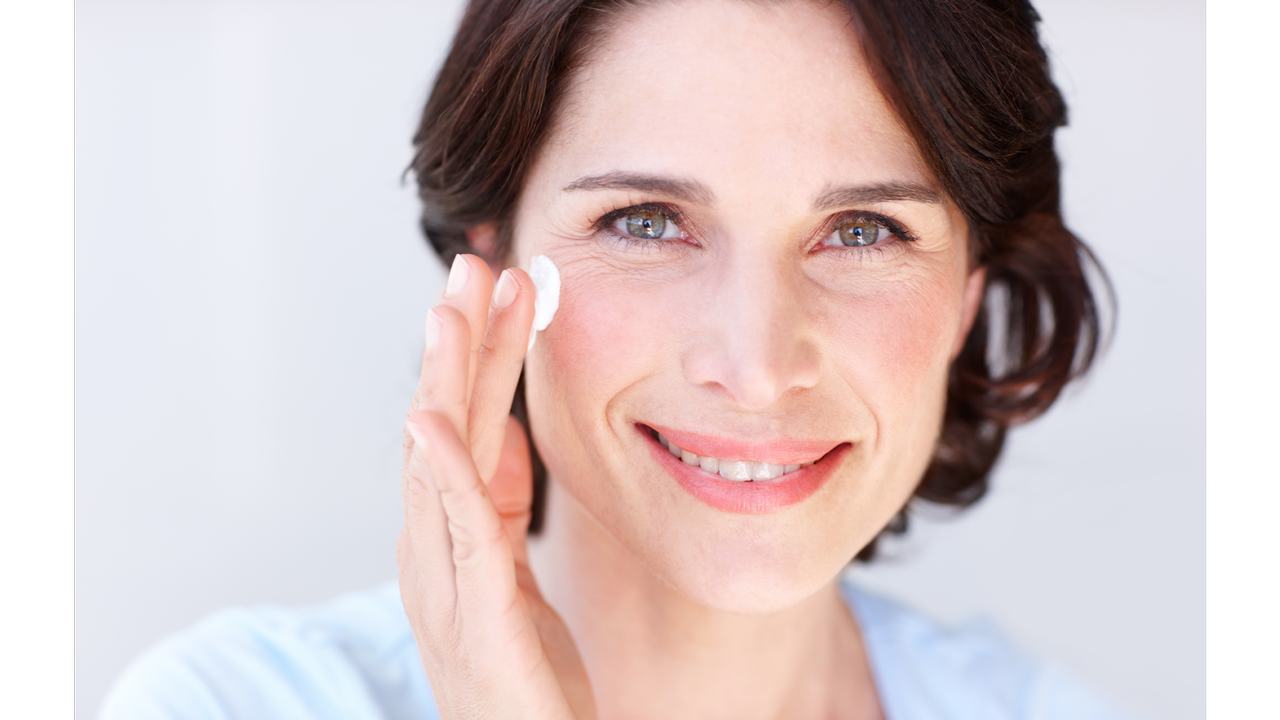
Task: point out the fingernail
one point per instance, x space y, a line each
415 432
433 330
505 293
458 276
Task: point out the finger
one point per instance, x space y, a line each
501 356
512 488
481 555
412 585
425 550
468 290
443 385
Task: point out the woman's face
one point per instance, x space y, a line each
757 264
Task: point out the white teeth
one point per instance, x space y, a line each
736 470
765 471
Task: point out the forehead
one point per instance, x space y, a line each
730 90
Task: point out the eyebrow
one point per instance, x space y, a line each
695 192
869 194
685 190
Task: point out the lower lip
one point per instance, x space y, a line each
755 497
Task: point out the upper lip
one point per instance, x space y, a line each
775 450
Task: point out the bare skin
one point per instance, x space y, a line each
752 320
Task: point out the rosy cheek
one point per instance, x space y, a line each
604 336
894 348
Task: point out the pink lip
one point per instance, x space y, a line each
779 452
756 497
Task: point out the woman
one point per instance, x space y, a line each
812 266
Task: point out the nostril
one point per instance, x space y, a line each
754 370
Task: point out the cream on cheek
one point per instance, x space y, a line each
609 335
546 281
603 352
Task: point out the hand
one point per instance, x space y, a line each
491 646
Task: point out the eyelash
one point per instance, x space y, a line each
673 215
896 230
667 212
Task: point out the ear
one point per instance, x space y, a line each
973 288
483 238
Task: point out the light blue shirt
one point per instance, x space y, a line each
355 658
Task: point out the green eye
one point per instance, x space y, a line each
862 233
645 225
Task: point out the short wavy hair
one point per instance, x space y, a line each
970 81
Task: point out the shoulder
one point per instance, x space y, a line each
927 671
353 657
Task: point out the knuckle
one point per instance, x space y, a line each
416 494
489 347
473 547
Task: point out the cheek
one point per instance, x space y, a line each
609 339
894 347
608 335
600 336
915 328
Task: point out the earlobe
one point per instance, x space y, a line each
973 292
483 238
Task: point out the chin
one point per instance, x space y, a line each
744 579
748 565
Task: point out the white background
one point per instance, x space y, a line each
251 287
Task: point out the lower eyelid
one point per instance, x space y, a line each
890 248
631 242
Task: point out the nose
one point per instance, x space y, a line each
756 343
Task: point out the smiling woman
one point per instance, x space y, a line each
914 136
756 332
785 234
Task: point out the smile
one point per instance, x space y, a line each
735 470
779 474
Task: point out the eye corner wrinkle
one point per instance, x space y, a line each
546 280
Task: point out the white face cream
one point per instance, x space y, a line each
546 278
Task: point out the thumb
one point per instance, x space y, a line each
511 488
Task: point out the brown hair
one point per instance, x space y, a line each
971 83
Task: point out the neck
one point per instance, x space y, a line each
652 652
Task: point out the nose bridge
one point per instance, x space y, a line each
756 344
